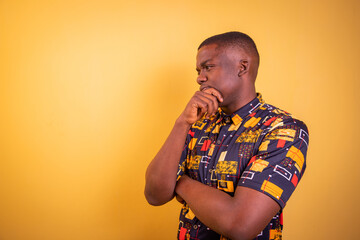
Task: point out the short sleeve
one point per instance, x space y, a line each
279 163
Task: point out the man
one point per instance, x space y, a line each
231 159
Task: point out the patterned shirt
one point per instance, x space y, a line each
259 146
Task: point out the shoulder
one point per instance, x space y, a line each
281 131
274 117
280 127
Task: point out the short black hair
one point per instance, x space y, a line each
233 39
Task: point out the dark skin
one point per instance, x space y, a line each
227 80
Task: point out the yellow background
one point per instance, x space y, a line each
89 91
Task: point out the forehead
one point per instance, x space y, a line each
208 52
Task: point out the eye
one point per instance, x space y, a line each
208 67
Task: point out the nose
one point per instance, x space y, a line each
201 78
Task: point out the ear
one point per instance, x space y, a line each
243 67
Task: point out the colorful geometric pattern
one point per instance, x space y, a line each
259 147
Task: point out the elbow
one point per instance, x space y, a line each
157 198
152 200
157 191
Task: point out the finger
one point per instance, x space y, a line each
211 101
206 102
215 93
199 106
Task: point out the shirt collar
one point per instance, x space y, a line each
237 116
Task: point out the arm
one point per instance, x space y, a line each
161 173
240 217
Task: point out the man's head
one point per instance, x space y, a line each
229 62
235 40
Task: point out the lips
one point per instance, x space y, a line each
203 88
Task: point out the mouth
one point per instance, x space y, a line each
203 88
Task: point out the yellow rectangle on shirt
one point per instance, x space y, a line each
227 167
275 234
236 119
296 155
264 145
193 162
234 127
259 165
211 151
222 156
252 122
190 215
285 134
192 143
227 186
216 129
288 132
272 189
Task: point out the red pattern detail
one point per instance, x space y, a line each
182 233
191 133
253 114
268 122
281 143
295 180
206 145
252 160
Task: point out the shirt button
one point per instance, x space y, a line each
218 141
195 226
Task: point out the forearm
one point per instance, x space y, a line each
240 217
161 172
211 206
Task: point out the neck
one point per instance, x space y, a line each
242 99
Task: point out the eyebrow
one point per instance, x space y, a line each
205 62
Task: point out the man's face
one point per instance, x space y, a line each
217 68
